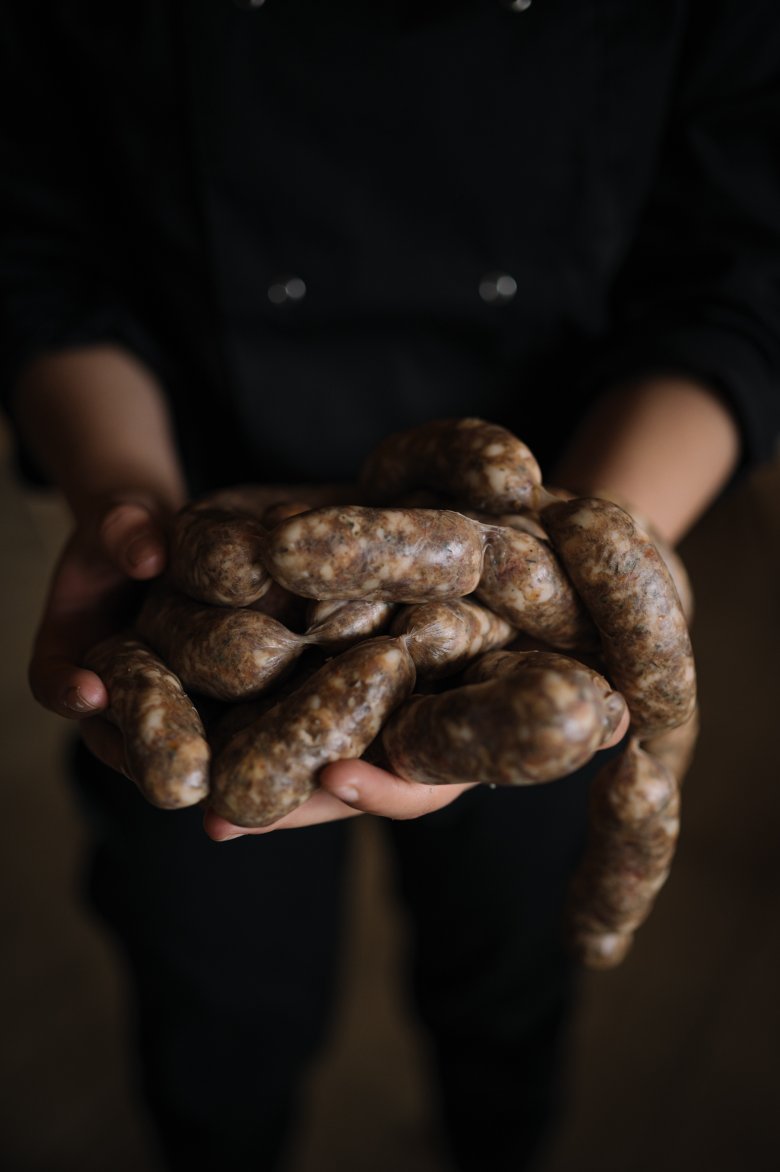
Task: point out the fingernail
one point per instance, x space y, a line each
230 837
347 793
141 549
74 700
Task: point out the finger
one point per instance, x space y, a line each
81 608
321 807
375 791
66 689
133 540
619 732
105 742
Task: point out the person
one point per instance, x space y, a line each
243 241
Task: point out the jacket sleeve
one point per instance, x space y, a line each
57 277
699 292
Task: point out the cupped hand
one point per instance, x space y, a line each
92 594
349 788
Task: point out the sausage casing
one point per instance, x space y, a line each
165 745
336 624
443 637
519 729
215 556
626 587
503 663
224 653
523 581
633 829
270 768
382 555
479 464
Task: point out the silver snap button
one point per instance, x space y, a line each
285 289
496 288
516 5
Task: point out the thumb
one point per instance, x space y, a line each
132 537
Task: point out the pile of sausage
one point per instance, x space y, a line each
450 618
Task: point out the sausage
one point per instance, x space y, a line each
217 541
480 464
675 747
633 829
442 637
226 654
271 767
215 556
503 663
672 560
383 555
525 727
335 624
626 587
523 581
165 745
232 718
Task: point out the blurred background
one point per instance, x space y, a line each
676 1056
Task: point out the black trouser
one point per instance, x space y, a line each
233 950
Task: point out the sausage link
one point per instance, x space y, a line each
502 663
226 654
215 556
165 746
672 559
443 637
481 464
270 768
526 727
382 555
336 624
625 585
523 581
633 829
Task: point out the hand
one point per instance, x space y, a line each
118 543
349 788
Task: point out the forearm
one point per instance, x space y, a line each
668 445
97 423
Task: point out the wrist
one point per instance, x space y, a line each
97 422
667 446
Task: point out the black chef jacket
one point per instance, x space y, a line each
320 222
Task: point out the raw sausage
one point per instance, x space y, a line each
215 556
633 828
479 464
523 581
503 663
271 767
336 624
165 745
443 637
526 727
226 654
625 585
382 555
